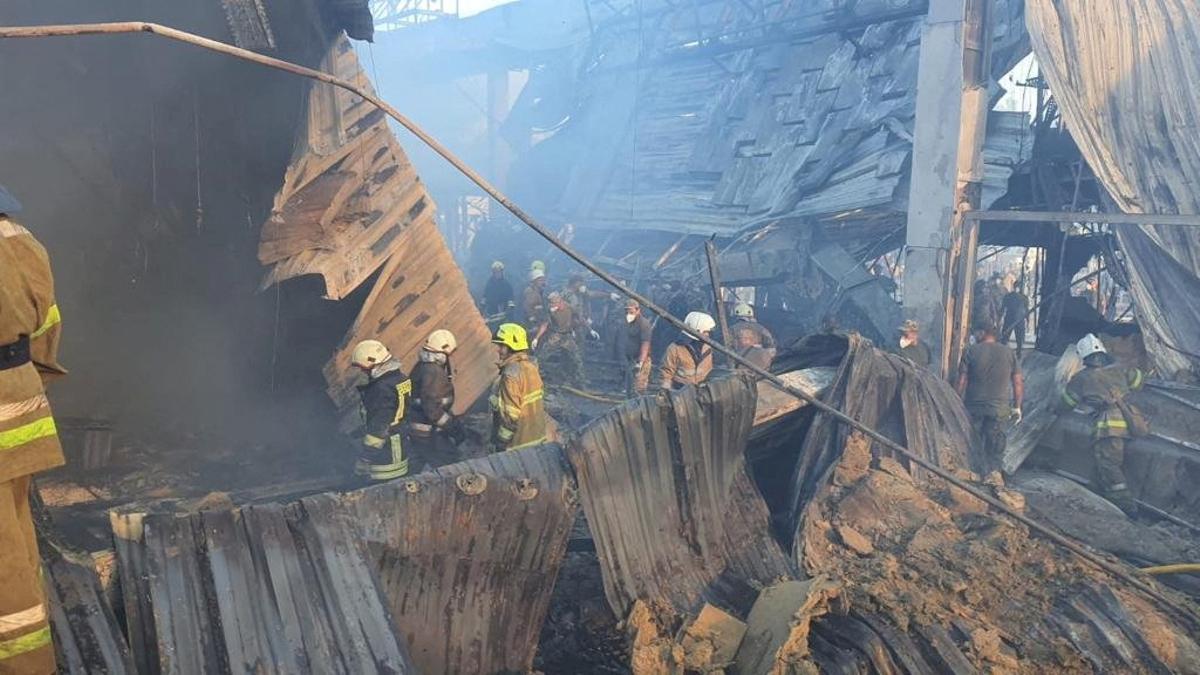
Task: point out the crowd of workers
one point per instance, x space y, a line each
402 412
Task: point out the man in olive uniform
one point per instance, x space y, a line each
911 346
29 335
518 413
384 399
1102 387
556 340
432 422
992 387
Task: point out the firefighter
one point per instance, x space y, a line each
518 414
748 343
498 293
384 399
533 300
29 334
744 314
560 349
1102 387
432 421
688 361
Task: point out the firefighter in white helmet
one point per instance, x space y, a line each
432 420
1101 388
384 400
688 361
744 313
533 299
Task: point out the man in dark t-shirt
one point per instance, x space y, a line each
634 339
992 388
911 346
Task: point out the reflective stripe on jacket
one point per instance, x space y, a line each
433 395
28 436
518 413
1100 389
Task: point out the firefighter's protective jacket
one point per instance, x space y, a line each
1100 389
686 362
518 413
384 399
29 334
433 396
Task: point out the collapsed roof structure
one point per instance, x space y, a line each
732 530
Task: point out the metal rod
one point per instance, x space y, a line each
714 274
279 64
1085 217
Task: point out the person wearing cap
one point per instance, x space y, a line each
498 293
518 412
634 337
1101 388
688 361
533 300
911 346
556 337
579 298
30 326
992 388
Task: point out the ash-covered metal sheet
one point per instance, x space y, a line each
675 517
467 555
885 392
261 589
1125 77
87 636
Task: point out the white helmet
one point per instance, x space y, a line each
743 310
441 341
699 322
369 353
1088 345
536 274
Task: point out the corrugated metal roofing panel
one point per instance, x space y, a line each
262 589
675 517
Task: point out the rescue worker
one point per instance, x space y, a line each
748 343
579 298
985 308
384 400
911 346
688 361
498 293
744 315
518 413
1102 387
634 337
1014 308
533 300
992 387
432 421
560 349
29 335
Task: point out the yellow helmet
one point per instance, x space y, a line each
513 336
441 341
369 353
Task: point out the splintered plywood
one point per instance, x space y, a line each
420 290
348 193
